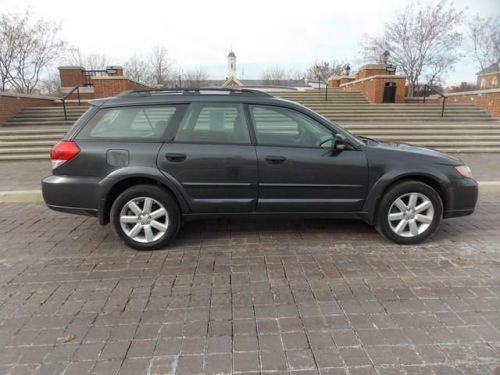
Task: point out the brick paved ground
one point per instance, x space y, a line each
26 175
302 297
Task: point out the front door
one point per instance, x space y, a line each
389 92
212 159
297 174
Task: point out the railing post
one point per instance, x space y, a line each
64 107
442 109
78 93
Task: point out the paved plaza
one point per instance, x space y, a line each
273 297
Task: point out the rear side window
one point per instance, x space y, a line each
136 122
214 123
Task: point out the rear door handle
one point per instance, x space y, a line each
271 159
175 157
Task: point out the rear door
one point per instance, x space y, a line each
212 158
296 172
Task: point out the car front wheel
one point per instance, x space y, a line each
145 217
410 212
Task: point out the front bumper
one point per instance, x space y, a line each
77 195
462 195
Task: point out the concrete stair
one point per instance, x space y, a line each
45 116
463 128
28 144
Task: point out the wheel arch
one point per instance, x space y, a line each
438 183
113 187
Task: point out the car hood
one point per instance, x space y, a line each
424 151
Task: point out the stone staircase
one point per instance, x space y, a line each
31 133
464 128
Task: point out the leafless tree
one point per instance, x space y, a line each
161 65
324 69
484 33
89 61
28 47
138 69
277 75
51 85
421 38
7 48
194 78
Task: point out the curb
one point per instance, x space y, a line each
489 186
35 196
21 196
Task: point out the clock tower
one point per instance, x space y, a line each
231 65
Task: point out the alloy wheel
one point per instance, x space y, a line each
410 214
144 219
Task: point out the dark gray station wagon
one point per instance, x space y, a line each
147 160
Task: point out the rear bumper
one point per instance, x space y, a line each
76 195
462 195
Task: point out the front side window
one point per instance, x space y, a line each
277 126
142 122
214 123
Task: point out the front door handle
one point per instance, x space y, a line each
175 157
272 159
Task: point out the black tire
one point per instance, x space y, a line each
398 190
159 194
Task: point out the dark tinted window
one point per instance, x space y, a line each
279 126
214 123
142 122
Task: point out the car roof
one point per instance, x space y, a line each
159 96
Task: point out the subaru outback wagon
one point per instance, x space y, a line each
147 160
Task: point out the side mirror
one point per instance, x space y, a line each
339 142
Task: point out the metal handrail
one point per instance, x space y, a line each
63 99
321 79
426 86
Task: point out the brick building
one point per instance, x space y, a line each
489 78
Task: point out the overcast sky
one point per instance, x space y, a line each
262 32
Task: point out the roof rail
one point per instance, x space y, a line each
195 91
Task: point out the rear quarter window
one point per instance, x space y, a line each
134 122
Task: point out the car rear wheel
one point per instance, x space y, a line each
410 212
145 217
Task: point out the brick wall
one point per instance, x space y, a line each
112 86
71 76
489 100
373 87
10 104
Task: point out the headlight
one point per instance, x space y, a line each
464 170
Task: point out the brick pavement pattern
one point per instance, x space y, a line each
244 297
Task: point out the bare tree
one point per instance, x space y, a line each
194 78
89 61
161 65
138 69
51 85
275 75
422 38
7 48
29 46
484 33
324 69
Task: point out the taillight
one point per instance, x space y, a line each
62 152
